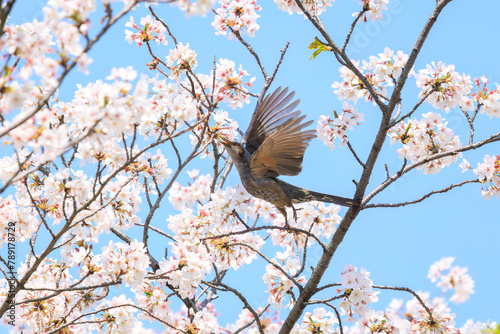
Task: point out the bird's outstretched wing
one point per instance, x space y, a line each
276 137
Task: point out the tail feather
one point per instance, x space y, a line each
301 195
310 195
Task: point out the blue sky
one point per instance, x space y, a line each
396 245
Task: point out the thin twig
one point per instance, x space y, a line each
440 191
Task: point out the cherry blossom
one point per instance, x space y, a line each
487 99
269 320
181 60
489 175
229 85
329 130
425 137
236 16
452 278
373 9
319 321
316 6
381 72
151 30
446 87
358 292
279 285
191 7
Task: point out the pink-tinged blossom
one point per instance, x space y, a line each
380 322
171 106
192 7
487 99
357 291
128 263
238 16
381 72
465 165
149 29
425 137
317 6
438 324
181 60
229 85
216 218
489 175
199 191
279 285
373 9
189 263
117 318
50 274
30 40
446 87
319 321
472 327
329 130
270 321
452 278
224 126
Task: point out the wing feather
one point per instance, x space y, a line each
282 152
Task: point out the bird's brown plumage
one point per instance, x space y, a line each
276 141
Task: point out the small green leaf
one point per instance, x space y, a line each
319 47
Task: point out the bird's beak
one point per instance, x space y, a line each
224 141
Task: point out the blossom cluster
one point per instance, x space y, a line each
357 289
381 72
42 49
412 317
379 321
170 108
317 217
373 9
118 262
224 126
180 196
319 321
181 60
488 99
270 321
328 129
153 298
199 7
150 29
279 284
316 6
51 275
425 137
236 17
229 85
452 278
205 237
488 173
445 87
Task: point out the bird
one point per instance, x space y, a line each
273 145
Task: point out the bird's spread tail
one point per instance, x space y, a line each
301 195
315 196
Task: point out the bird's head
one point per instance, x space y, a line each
234 149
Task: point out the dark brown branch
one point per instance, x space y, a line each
407 290
243 300
406 169
440 191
